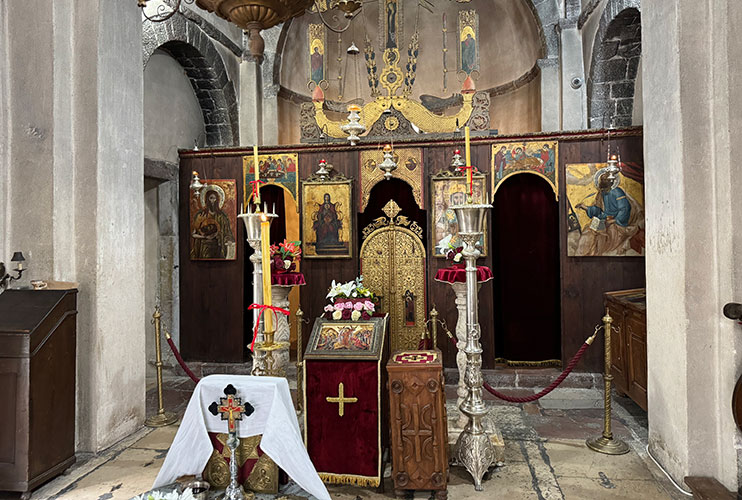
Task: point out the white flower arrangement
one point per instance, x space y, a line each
173 495
359 303
351 290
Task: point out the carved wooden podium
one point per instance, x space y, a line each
418 422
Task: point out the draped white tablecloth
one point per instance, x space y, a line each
274 418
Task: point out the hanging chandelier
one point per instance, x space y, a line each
254 16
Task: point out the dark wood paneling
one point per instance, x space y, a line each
585 279
212 293
319 273
213 298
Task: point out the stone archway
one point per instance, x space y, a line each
188 44
615 61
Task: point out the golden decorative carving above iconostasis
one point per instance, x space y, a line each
410 69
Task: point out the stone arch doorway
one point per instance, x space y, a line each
393 259
193 49
525 256
615 65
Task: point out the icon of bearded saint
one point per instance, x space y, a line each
211 232
616 220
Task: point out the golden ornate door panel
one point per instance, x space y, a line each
393 266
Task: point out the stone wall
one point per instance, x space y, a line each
614 64
72 147
692 140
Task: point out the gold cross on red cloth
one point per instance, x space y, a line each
341 399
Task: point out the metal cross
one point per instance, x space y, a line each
231 408
341 399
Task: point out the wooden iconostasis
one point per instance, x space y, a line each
547 293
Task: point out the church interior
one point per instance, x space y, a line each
369 249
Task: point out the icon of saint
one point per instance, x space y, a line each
211 236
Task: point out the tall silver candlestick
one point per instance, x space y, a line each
474 449
252 227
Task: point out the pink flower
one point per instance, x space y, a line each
358 306
329 308
369 305
339 306
349 305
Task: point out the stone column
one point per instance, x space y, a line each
280 298
460 290
550 95
574 96
75 203
692 77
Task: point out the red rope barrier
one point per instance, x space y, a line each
182 364
570 366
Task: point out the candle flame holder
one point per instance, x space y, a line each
252 220
474 449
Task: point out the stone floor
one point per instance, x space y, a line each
545 455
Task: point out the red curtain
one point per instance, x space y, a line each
525 243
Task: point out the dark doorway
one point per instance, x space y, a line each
525 250
399 191
272 197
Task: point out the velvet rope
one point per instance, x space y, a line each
182 364
262 308
570 366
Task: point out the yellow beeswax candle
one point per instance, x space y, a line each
265 230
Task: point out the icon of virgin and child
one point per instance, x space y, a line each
327 223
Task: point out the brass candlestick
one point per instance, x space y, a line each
606 443
162 418
268 346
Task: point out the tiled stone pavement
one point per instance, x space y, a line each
545 456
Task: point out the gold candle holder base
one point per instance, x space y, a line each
268 346
161 419
608 446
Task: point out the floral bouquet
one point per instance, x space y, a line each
351 301
454 255
284 256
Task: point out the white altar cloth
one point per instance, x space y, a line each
274 418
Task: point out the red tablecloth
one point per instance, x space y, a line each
458 274
287 279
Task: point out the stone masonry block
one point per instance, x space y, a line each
612 70
624 106
622 90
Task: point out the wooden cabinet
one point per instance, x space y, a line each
628 308
418 422
37 386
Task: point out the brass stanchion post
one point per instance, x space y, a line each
434 328
299 361
162 418
607 443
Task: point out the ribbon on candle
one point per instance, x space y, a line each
262 308
463 169
255 194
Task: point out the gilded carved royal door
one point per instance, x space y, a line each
393 267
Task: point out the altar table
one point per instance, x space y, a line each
274 418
